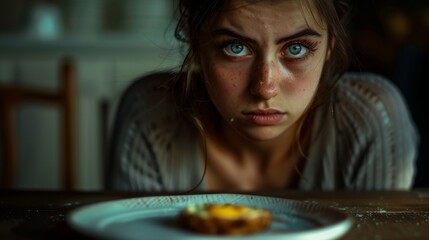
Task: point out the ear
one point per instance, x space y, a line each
330 49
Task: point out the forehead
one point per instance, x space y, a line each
275 11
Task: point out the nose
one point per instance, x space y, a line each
266 80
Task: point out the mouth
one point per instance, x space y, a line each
264 117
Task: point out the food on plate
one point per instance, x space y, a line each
224 219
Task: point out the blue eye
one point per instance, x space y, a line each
236 50
296 50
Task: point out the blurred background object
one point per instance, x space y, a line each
13 96
111 42
44 21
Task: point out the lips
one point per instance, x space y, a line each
265 117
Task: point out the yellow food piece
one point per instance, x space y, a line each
226 210
224 218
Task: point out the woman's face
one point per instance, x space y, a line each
262 63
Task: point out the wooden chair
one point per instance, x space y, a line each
11 96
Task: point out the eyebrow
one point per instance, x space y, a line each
302 33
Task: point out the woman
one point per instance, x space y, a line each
262 102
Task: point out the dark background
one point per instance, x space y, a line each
392 38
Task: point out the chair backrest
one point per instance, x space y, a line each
11 96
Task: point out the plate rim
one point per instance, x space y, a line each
341 226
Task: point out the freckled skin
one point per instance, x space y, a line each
265 79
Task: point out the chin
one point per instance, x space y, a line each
262 134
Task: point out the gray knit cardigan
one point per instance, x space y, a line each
364 140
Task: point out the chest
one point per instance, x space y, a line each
226 173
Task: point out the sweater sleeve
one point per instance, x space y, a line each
153 147
378 138
138 125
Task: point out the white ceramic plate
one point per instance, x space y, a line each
152 218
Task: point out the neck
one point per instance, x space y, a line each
246 152
239 163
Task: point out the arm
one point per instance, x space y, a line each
134 163
379 137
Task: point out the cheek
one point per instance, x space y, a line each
308 84
224 81
306 77
302 87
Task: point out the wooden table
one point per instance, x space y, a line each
377 215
